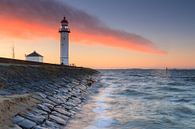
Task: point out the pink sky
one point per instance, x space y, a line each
92 43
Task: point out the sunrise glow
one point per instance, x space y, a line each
92 43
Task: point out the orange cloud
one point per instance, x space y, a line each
112 41
40 18
16 28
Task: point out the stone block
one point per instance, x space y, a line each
50 102
53 99
51 125
27 124
58 114
35 117
39 127
16 127
63 111
43 107
39 112
17 119
58 120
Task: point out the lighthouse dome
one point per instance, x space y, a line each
64 21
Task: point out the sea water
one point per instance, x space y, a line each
140 99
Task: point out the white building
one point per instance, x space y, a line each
34 56
64 42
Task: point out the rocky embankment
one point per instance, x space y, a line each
41 97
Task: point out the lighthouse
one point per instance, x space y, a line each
64 42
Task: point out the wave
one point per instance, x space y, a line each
181 110
173 89
130 92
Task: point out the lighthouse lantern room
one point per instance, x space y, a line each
64 42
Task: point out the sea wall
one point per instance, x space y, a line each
56 93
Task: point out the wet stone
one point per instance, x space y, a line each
76 82
49 101
37 98
39 127
58 120
73 102
64 117
50 106
41 89
39 112
56 91
51 125
16 127
63 111
48 93
77 100
35 117
70 104
60 86
71 111
59 102
53 99
83 99
43 107
68 94
64 90
77 90
42 95
4 92
82 87
75 109
67 107
27 124
61 93
62 99
17 119
73 93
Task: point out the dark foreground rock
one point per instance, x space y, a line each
60 92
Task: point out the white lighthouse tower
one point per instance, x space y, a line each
64 42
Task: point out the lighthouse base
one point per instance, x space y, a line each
64 61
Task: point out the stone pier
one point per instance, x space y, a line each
60 93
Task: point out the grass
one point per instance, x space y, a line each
14 74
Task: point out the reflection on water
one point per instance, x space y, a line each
140 99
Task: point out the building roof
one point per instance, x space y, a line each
64 20
34 54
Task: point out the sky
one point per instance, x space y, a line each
104 33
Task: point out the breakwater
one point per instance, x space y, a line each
56 92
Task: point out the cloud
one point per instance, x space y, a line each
40 18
